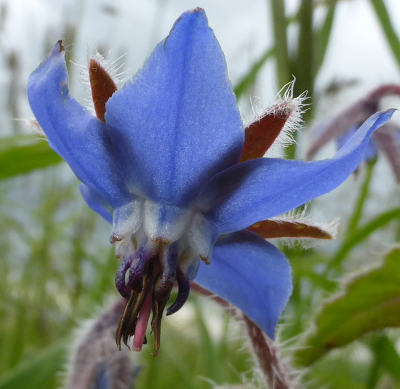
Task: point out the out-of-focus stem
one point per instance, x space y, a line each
359 235
280 38
304 63
387 27
305 52
362 198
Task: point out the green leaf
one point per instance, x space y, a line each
387 27
38 371
248 80
24 153
370 302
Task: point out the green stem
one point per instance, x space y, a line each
305 51
360 235
249 79
362 198
387 27
322 37
281 48
303 65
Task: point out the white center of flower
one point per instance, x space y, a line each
142 221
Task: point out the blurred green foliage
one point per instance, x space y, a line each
57 266
370 302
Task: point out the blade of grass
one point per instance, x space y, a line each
361 234
362 198
305 50
390 34
38 371
279 23
249 79
322 36
303 64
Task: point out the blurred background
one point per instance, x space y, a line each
57 267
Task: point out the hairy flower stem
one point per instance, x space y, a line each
266 352
275 372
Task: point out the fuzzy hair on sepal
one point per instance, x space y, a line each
285 106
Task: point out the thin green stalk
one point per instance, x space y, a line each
303 65
305 51
250 77
362 198
322 37
360 235
387 27
279 23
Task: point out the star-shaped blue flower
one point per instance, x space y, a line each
163 164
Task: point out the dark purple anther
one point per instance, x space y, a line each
120 277
183 292
136 270
166 280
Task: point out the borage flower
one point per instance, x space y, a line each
345 124
168 158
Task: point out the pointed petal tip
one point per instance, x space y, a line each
60 45
198 10
381 117
196 14
377 120
390 112
52 67
57 49
384 116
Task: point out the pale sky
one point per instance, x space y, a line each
357 50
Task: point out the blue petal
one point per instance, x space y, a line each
73 132
176 124
96 202
262 188
371 151
251 274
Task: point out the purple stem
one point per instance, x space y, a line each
267 355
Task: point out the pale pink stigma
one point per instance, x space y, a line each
141 325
